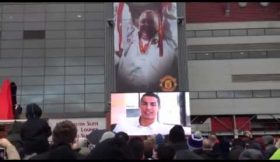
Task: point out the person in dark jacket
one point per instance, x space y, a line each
35 131
15 138
238 146
14 97
178 142
64 135
136 145
165 152
251 154
122 135
177 139
269 147
111 149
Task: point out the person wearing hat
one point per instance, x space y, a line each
195 141
107 135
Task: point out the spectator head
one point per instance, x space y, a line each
165 152
159 139
248 134
260 142
148 148
238 142
212 138
123 136
152 139
177 134
136 144
195 141
106 135
33 111
64 132
254 145
207 145
251 154
268 140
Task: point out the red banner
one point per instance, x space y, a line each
225 124
6 108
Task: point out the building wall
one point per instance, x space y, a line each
245 42
217 74
57 53
60 55
61 66
217 12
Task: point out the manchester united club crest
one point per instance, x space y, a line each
168 83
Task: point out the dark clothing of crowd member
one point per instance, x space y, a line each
235 152
177 138
63 137
165 152
111 149
149 147
17 109
251 154
269 147
59 152
15 138
123 136
178 142
224 148
136 144
187 155
35 131
14 97
237 147
207 154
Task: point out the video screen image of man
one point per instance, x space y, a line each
148 113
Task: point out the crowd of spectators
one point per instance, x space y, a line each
29 141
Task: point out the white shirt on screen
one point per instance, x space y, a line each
131 126
144 71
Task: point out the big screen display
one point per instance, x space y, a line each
150 113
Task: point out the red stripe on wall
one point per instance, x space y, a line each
228 121
202 12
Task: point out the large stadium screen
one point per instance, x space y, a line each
130 111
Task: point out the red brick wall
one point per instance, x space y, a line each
197 12
216 126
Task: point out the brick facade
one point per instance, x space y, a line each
198 12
